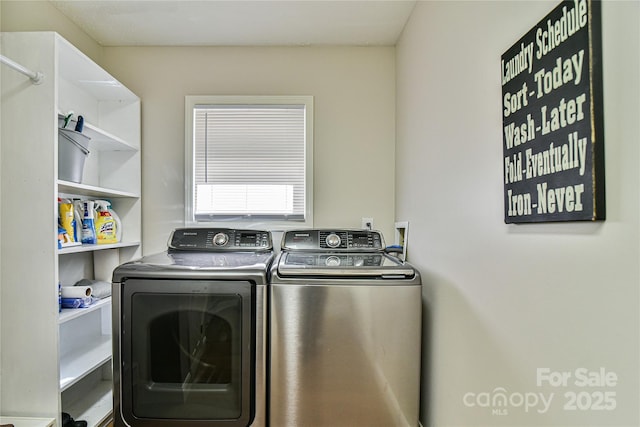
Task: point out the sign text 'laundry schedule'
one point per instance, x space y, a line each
553 145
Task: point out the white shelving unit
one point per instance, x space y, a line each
64 358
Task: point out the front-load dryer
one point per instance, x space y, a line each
189 332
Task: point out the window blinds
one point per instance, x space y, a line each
249 162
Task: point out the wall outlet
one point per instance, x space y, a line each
402 237
367 223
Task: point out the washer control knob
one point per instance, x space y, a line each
332 261
332 240
220 239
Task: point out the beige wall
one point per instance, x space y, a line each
354 103
502 301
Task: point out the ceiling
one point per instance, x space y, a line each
239 22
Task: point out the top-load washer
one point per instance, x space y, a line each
189 334
345 324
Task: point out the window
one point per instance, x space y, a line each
249 160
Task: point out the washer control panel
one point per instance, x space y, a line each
333 240
219 239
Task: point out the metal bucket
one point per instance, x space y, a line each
72 152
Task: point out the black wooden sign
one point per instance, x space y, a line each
552 119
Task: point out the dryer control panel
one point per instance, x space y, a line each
333 240
219 239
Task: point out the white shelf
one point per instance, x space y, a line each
76 67
72 313
96 407
69 187
28 421
101 140
92 248
92 354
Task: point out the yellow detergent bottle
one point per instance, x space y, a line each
67 218
106 226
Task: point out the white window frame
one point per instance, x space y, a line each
274 225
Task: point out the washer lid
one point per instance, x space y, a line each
211 265
343 265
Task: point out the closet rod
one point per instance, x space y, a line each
36 77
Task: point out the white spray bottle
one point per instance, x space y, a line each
77 213
88 224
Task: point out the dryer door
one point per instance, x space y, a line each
186 352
